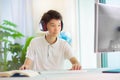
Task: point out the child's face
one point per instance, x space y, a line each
54 27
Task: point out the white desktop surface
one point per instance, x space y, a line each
95 74
84 76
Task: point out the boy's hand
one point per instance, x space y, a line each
76 67
24 67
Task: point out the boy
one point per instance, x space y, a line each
49 52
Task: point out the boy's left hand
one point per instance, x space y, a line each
76 67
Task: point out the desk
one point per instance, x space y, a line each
83 75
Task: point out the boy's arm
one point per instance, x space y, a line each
27 64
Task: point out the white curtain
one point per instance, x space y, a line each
19 12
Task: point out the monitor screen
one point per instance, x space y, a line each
107 28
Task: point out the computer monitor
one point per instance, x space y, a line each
107 28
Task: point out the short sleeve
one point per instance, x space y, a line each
68 51
30 51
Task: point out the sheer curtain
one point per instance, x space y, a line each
19 12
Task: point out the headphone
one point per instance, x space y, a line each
43 26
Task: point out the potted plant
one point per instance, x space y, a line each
8 33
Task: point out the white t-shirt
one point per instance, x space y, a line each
46 56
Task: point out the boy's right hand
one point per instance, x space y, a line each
24 67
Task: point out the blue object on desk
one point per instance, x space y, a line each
112 71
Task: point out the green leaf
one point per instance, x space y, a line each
24 50
15 48
17 35
6 22
6 40
4 28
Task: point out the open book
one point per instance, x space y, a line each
19 73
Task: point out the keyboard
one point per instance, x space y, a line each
62 72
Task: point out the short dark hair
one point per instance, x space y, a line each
51 14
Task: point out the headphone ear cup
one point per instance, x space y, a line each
61 25
44 27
